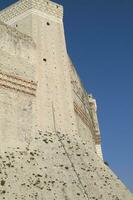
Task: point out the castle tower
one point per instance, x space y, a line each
50 138
42 20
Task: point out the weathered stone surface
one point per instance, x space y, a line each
50 144
57 166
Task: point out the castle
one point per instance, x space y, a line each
50 145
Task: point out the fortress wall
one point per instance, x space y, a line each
17 87
51 64
85 133
16 43
59 161
52 73
16 66
17 53
83 110
16 119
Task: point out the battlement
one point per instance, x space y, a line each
50 8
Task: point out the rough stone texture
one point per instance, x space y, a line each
50 8
50 139
85 108
57 166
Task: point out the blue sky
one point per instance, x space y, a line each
99 37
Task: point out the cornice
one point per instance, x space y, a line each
47 7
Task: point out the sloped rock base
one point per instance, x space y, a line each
56 166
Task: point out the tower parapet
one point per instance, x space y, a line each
54 10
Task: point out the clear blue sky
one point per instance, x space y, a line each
99 37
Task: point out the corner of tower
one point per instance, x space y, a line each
22 8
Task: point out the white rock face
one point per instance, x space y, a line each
49 134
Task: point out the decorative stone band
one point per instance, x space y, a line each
19 84
16 9
83 117
87 122
97 139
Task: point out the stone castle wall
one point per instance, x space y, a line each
22 47
49 132
85 110
17 86
29 20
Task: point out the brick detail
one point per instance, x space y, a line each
17 83
22 6
83 117
97 139
87 122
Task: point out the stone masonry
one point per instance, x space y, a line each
50 144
